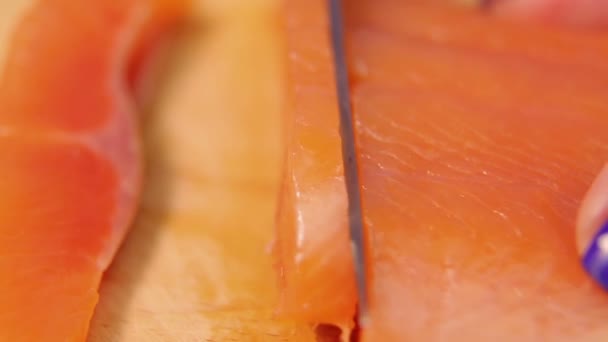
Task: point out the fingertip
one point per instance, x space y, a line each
593 211
589 13
524 8
592 229
595 257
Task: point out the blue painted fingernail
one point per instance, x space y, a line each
595 260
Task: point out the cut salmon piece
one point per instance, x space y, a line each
70 156
312 250
477 138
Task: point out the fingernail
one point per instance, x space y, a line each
595 259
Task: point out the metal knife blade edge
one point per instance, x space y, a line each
349 157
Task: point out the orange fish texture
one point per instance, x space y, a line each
477 138
70 156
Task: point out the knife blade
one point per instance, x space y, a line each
349 157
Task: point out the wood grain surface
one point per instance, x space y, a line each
195 265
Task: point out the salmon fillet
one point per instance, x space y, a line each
70 156
477 138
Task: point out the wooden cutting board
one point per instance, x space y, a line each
195 266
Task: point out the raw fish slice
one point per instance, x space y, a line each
477 139
313 257
70 156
